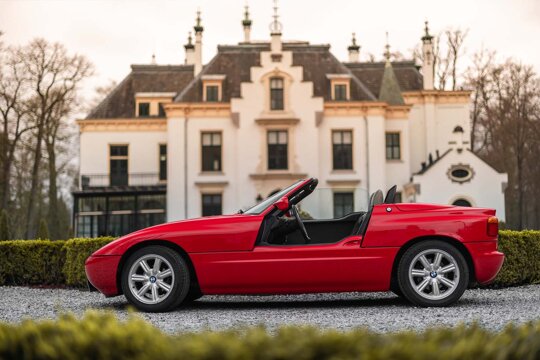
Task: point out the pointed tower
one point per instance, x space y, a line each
428 63
190 51
275 31
354 50
390 91
246 24
198 44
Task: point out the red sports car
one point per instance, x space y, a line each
428 254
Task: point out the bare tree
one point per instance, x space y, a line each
54 77
454 40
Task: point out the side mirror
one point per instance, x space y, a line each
282 204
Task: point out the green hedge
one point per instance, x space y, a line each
102 336
43 262
522 261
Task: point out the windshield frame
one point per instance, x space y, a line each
269 201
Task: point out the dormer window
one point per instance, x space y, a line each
276 93
212 87
340 86
212 93
144 109
151 104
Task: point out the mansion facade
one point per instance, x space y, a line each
181 141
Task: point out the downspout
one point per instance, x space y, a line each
367 156
186 118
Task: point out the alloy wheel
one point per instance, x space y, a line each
151 279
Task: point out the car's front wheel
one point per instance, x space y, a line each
155 279
433 273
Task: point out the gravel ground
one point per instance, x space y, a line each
381 312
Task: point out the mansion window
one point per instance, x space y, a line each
340 92
144 109
393 147
161 110
211 204
211 151
277 150
212 93
118 165
342 150
343 204
276 93
162 162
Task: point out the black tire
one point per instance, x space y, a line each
434 276
193 295
179 287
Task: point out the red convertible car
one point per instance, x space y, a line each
428 254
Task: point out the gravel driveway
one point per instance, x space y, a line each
378 311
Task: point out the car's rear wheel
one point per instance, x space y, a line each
433 273
155 279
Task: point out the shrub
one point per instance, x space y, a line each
99 335
31 262
77 251
45 262
522 261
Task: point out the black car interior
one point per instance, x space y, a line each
287 228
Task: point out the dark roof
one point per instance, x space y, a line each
390 91
427 165
371 74
235 61
120 103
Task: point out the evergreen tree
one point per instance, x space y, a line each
43 233
4 229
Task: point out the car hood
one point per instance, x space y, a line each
190 233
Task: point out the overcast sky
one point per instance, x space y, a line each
114 34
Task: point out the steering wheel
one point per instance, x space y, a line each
301 225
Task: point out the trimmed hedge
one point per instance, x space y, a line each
44 262
102 336
522 258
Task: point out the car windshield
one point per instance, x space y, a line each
260 207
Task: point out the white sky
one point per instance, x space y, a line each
114 34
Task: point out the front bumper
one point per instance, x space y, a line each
486 259
101 272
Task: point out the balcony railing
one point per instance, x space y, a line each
120 180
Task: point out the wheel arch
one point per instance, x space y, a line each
457 244
166 243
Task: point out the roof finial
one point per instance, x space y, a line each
189 44
354 45
198 27
427 35
247 20
275 26
387 52
153 58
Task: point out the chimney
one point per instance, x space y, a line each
198 44
190 51
428 59
246 23
354 50
275 31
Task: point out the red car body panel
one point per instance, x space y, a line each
227 260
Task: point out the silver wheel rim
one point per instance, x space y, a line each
434 274
151 279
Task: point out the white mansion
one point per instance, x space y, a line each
179 141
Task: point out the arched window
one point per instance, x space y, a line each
462 202
276 93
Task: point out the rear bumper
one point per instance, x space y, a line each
101 272
486 259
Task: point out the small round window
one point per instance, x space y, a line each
460 173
